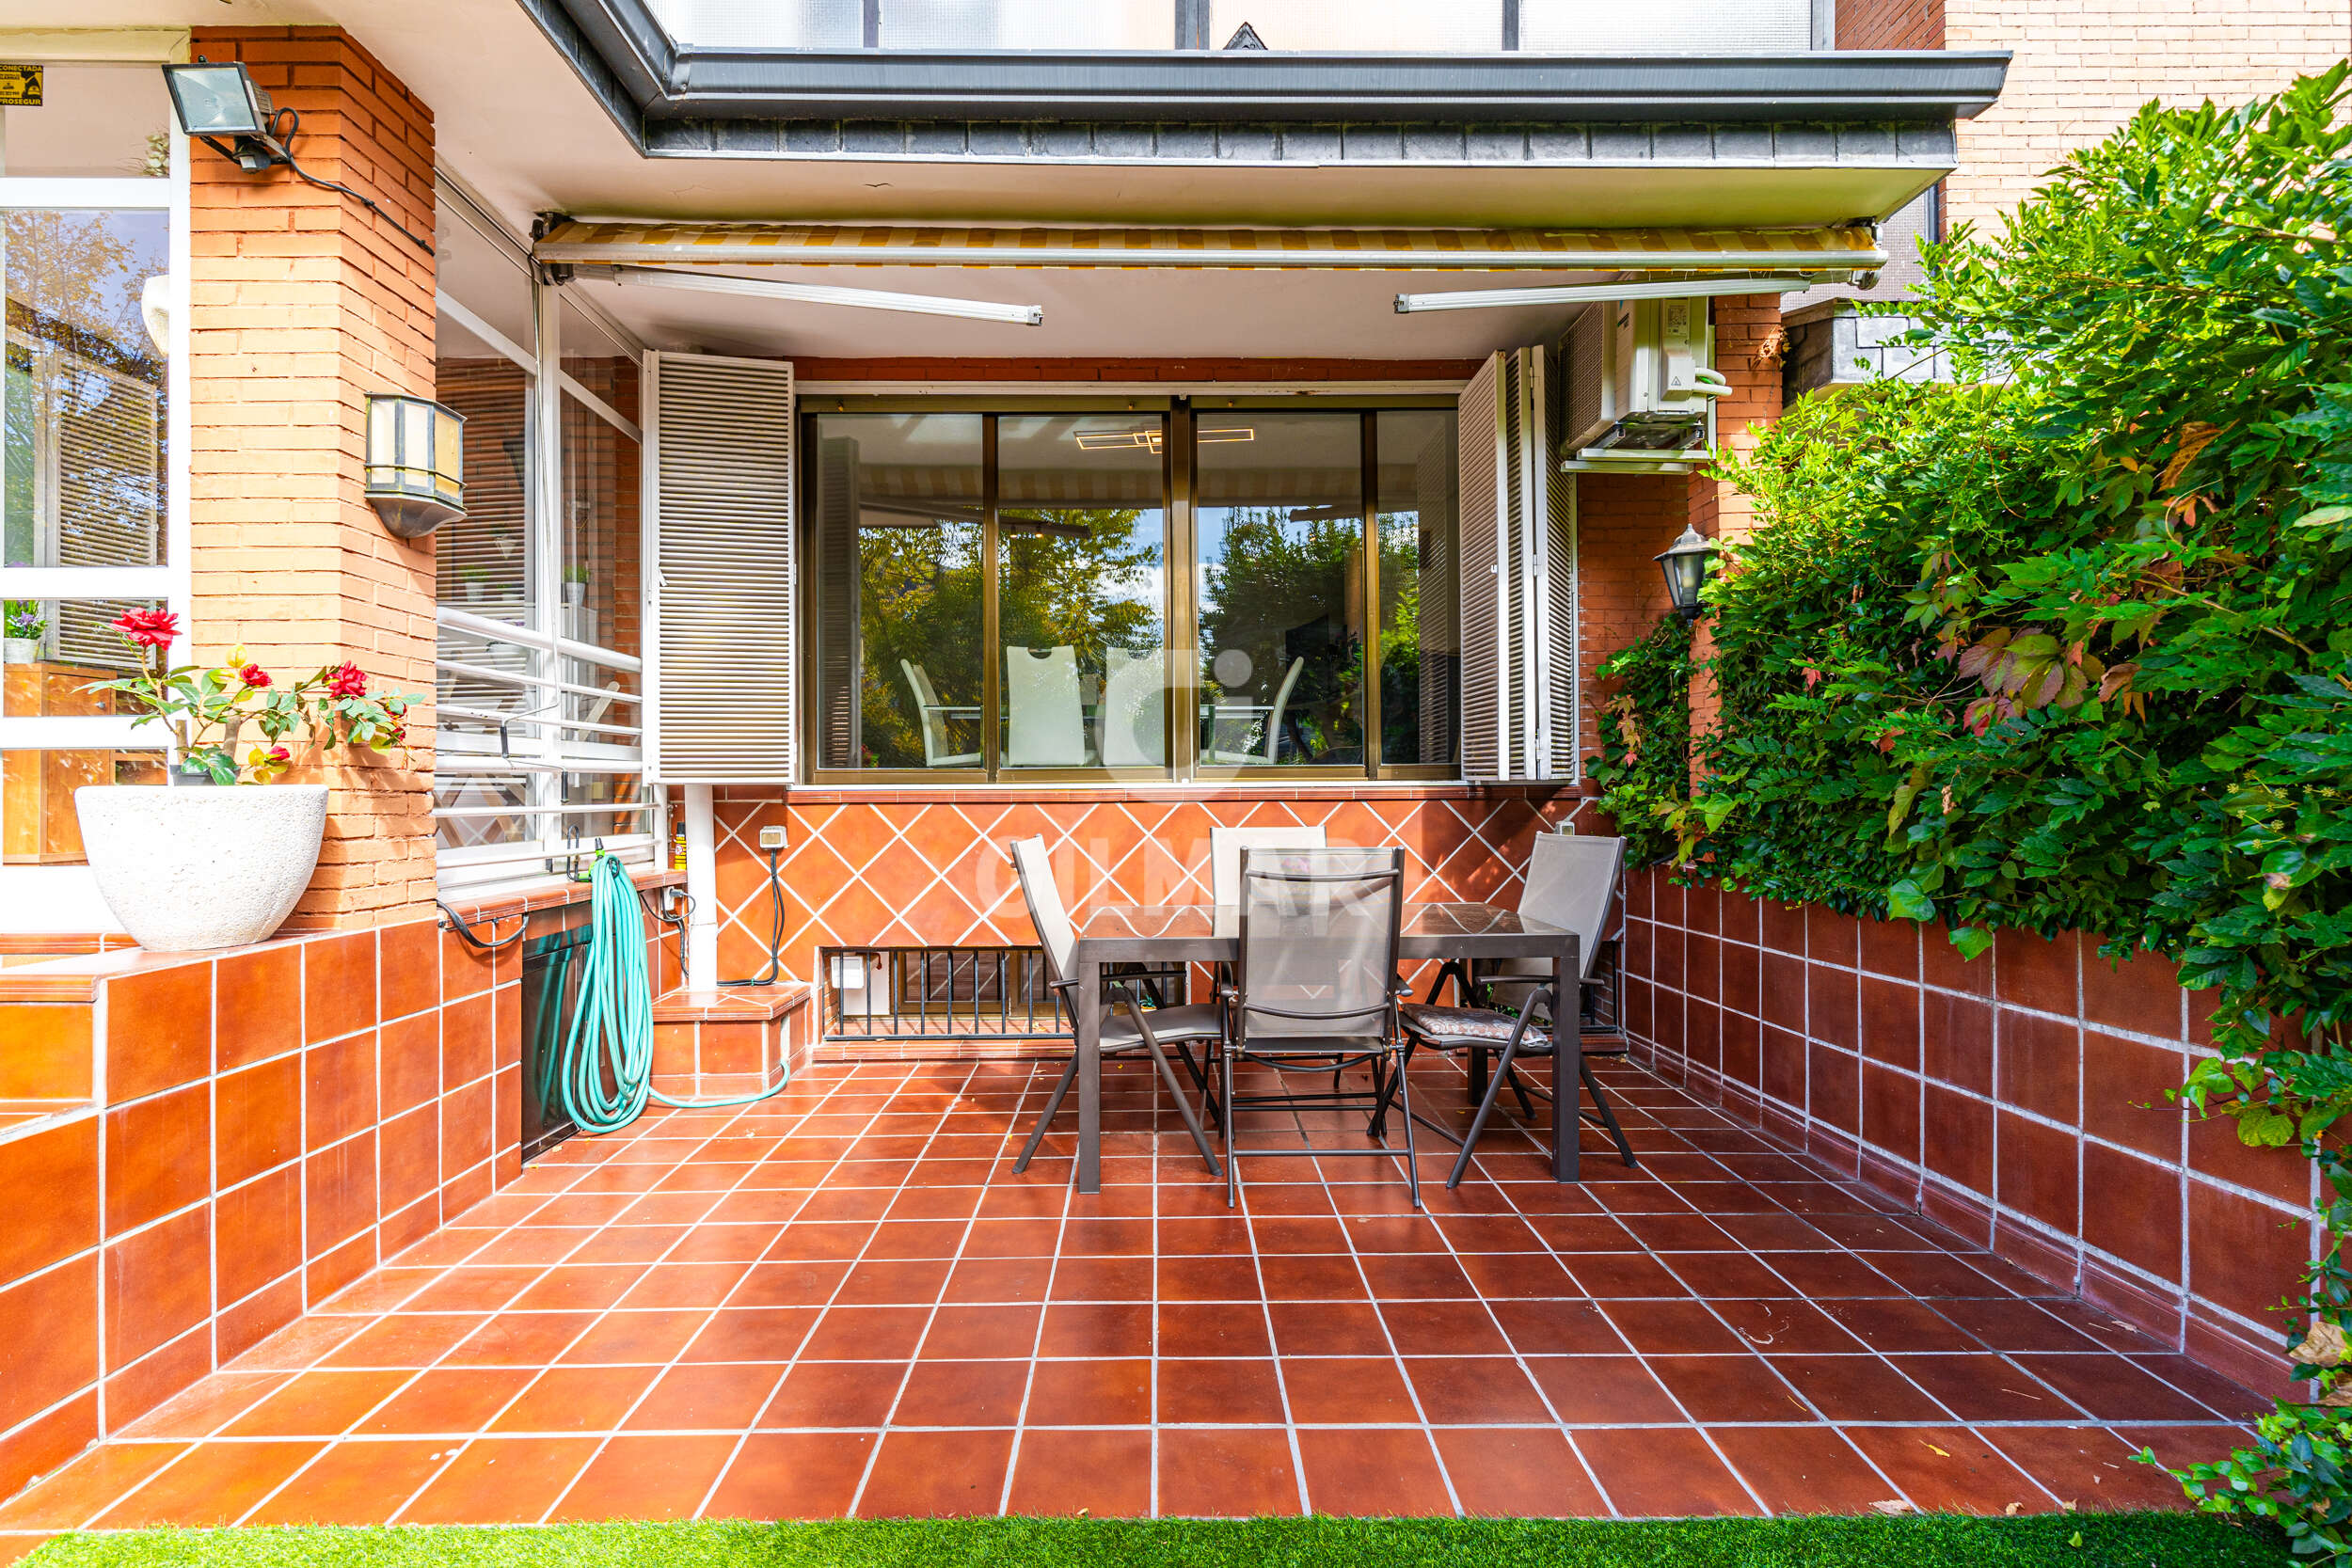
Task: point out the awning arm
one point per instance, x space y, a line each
817 294
1579 294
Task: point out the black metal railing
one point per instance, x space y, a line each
958 995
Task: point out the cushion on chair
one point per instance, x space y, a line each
1169 1023
1459 1026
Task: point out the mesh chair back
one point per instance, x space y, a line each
1225 848
1572 884
1054 932
1318 943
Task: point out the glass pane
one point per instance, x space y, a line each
1421 26
601 545
483 560
596 359
55 648
1282 589
1080 592
485 275
895 520
1666 26
1028 24
473 792
1421 636
83 389
37 822
764 23
94 121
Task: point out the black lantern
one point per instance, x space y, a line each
217 101
1687 562
416 463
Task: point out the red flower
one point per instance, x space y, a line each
279 754
348 680
254 676
149 628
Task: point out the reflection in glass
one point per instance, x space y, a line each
82 408
39 680
1281 531
482 559
1080 591
896 513
1421 637
96 120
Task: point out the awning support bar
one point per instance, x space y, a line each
818 293
1578 293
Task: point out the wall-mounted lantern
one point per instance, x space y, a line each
416 463
1687 562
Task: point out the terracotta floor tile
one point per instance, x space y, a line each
447 1402
961 1333
2088 1467
519 1340
1783 1327
1517 1471
1327 1329
213 1483
647 1478
1673 1328
894 1282
1558 1328
1100 1279
1104 1475
1807 1470
405 1340
625 1337
962 1394
1856 1388
1474 1390
759 1334
792 1475
317 1404
1003 1279
864 1333
935 1474
704 1398
355 1484
205 1408
1388 1472
1665 1472
1601 1390
1213 1329
1416 1277
1347 1391
2113 1389
1229 1472
576 1398
501 1480
1986 1387
835 1394
1947 1469
1097 1329
1208 1280
1729 1388
1225 1391
1311 1278
1090 1393
87 1486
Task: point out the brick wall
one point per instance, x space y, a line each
2019 1099
304 302
2082 69
1890 23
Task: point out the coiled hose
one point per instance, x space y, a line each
606 1073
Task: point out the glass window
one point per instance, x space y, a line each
1028 25
84 390
895 507
53 651
1282 589
1685 26
483 560
95 122
1421 26
1081 593
1420 578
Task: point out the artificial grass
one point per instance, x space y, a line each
1930 1541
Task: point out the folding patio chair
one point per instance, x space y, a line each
1124 1026
1315 990
1226 844
1572 884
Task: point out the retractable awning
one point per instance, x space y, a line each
1839 249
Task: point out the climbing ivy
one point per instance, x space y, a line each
1645 735
2069 645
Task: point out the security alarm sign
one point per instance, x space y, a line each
20 85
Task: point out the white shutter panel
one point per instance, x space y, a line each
1484 473
1518 576
724 685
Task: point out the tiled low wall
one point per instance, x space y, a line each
203 1147
2019 1099
911 867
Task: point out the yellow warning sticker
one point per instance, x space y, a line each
20 85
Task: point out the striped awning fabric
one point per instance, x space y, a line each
1806 250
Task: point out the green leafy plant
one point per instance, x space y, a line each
2066 648
22 618
204 707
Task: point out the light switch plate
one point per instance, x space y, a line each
772 838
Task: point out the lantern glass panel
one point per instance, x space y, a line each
448 448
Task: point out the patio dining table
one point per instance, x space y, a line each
1206 933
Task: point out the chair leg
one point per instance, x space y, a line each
1478 1122
1518 1089
1379 1127
1183 1104
1412 1151
1045 1117
1232 1165
1601 1103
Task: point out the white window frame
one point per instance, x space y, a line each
65 898
542 752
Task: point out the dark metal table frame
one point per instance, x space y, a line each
1202 933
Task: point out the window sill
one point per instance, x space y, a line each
1319 789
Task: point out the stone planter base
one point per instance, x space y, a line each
186 870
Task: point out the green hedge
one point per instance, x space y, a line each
2069 647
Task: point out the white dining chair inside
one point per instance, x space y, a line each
931 718
1048 728
1234 739
1130 724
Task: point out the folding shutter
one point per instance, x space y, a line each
723 708
1485 474
1519 575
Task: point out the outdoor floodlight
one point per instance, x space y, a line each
220 101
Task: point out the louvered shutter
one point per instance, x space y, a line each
1484 470
1519 575
723 706
838 659
109 492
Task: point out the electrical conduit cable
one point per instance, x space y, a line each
606 1072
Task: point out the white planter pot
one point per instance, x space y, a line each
19 650
190 868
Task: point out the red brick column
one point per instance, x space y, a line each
303 303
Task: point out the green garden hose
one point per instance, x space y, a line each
606 1075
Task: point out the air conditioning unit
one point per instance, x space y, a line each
1638 387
